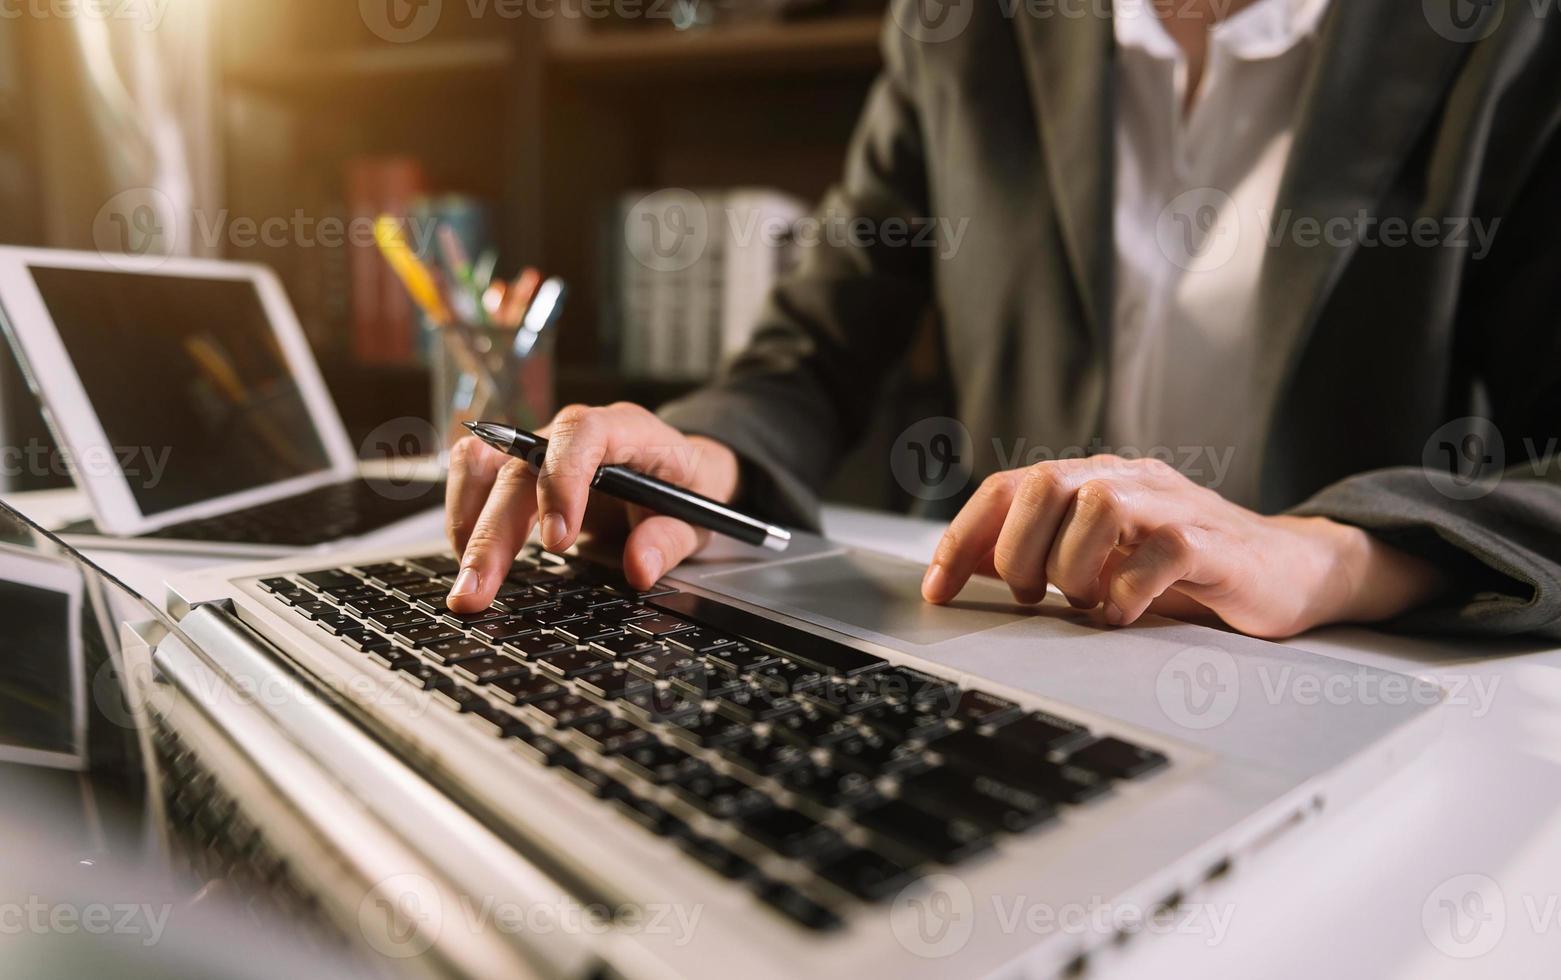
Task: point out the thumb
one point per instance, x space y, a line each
657 545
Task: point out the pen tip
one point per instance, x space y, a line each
470 426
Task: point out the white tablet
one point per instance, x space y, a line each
179 389
43 707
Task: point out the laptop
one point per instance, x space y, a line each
781 766
188 404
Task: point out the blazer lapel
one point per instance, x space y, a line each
1380 74
1068 62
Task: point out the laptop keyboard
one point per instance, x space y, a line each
815 773
334 511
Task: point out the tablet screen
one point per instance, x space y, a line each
188 381
37 708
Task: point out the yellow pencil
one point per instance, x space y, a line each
414 275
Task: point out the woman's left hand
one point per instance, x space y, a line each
1136 535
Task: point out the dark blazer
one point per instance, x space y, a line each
1367 350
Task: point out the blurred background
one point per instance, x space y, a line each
588 139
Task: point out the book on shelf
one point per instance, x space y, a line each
688 275
384 326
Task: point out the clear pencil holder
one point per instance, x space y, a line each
477 379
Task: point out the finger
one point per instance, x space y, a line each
1091 529
969 539
1169 555
474 466
499 533
1029 528
575 449
657 545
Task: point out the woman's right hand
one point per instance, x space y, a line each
493 500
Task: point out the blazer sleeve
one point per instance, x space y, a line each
1497 537
800 395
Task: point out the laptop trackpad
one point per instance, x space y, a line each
870 592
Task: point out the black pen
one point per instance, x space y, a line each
646 491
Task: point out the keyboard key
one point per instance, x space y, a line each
555 586
830 786
718 859
525 602
424 676
655 705
783 678
536 645
904 684
592 599
659 625
814 730
981 798
610 736
314 610
280 586
981 708
706 683
586 631
901 721
596 782
460 648
378 602
651 816
391 619
459 698
619 615
503 630
660 664
485 670
557 616
874 755
523 689
436 589
719 795
1019 765
1044 731
366 639
766 756
843 698
611 683
699 640
752 703
801 646
336 623
790 832
566 710
1113 758
711 731
866 874
436 564
661 763
466 620
425 634
798 907
948 840
491 719
330 579
538 748
570 663
740 658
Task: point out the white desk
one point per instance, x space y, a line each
1346 897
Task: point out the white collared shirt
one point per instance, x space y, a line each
1195 196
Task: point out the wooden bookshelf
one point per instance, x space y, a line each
447 64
